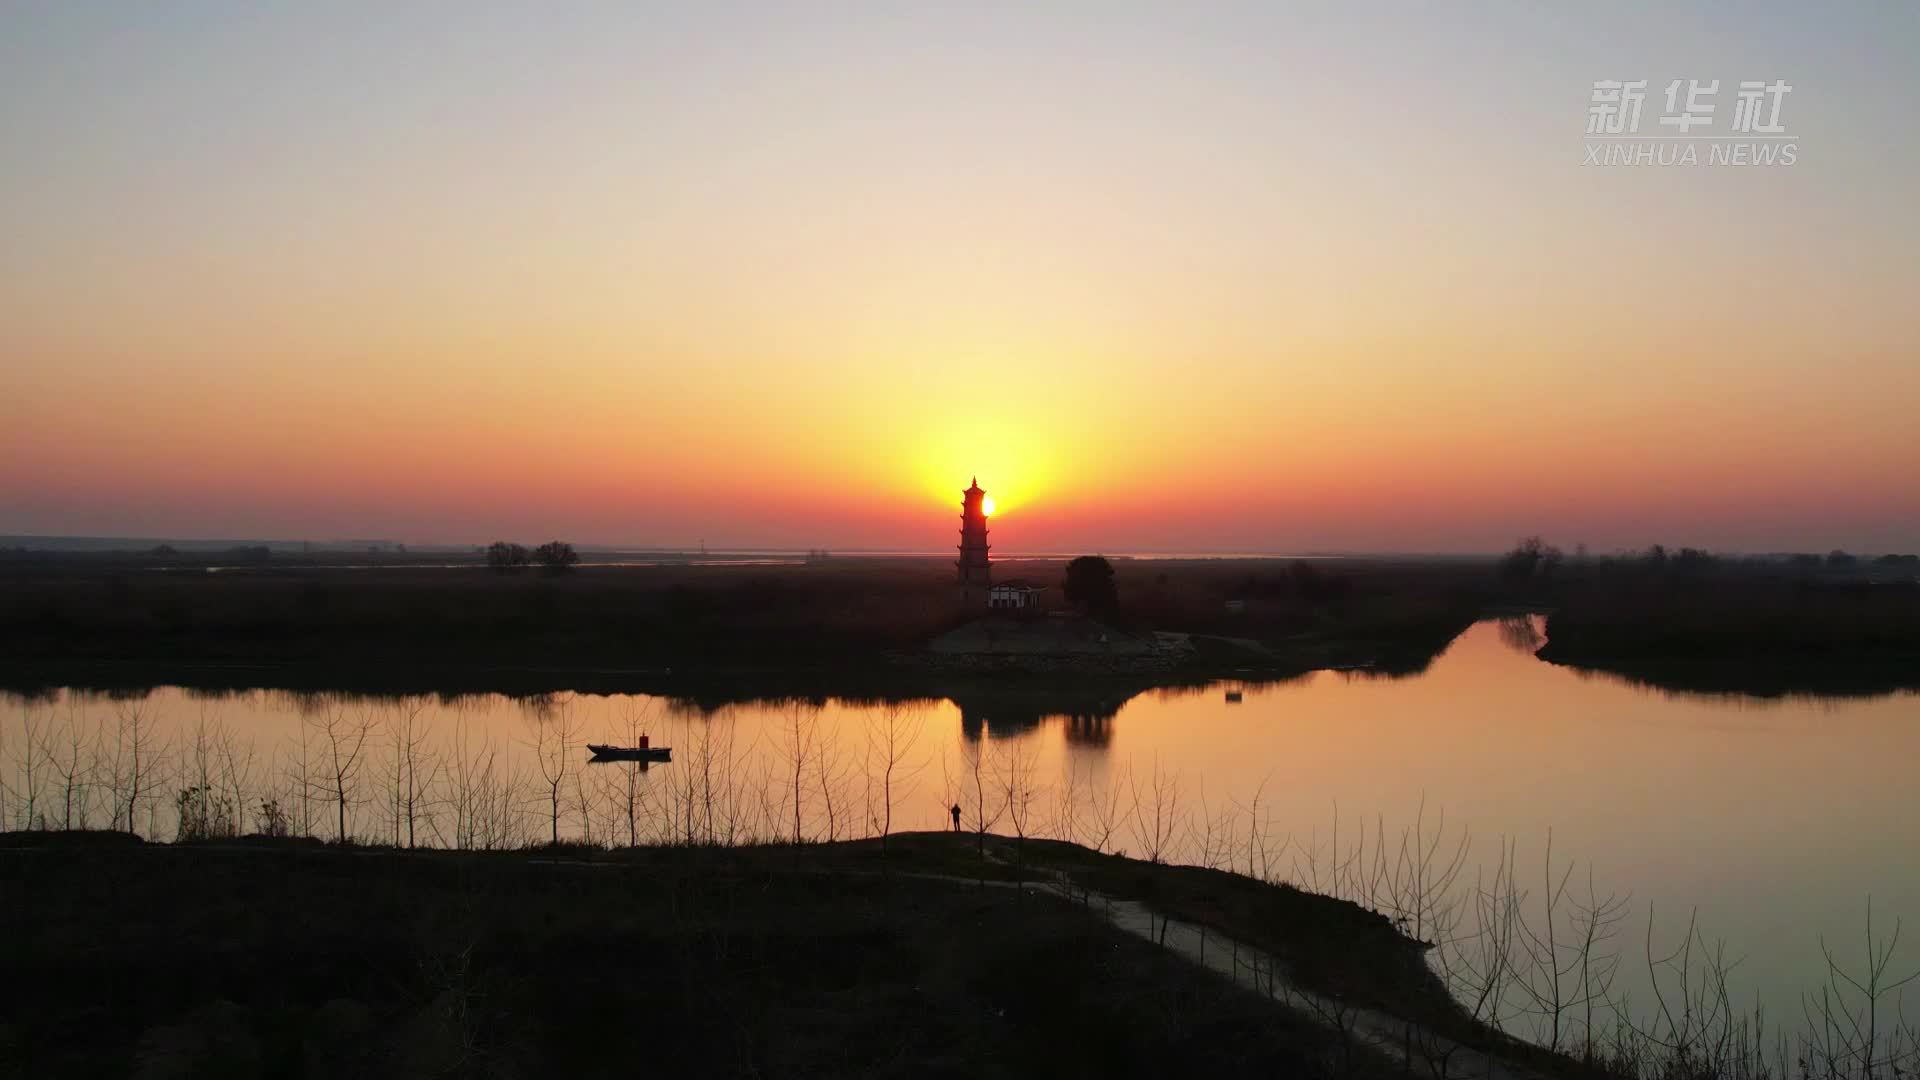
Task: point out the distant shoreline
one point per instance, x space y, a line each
861 627
1760 677
878 679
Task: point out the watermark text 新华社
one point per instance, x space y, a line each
1691 130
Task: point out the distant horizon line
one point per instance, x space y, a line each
360 545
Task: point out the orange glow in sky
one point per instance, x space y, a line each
1233 280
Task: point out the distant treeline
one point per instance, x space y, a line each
1694 619
1533 558
610 618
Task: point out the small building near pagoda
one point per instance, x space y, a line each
1014 596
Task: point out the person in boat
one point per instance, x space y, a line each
955 811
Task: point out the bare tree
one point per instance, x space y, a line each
629 792
584 804
470 769
706 796
830 770
1595 922
1105 810
74 778
1156 813
235 763
1019 791
6 793
984 814
1848 1031
1211 837
299 776
486 794
205 808
343 739
892 734
137 754
555 736
1066 806
1259 848
799 746
26 757
1560 973
415 770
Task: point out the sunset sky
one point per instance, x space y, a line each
1188 277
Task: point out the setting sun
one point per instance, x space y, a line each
986 505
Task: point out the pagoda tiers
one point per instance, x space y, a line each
975 575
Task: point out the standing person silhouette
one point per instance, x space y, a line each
955 811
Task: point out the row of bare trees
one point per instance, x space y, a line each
404 774
124 770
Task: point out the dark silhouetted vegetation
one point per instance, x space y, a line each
914 955
1089 585
753 626
503 557
825 626
1531 558
556 556
282 960
205 813
1693 619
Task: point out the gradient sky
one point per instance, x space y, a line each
1193 277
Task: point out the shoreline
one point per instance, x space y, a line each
1323 977
891 628
1765 677
891 674
897 675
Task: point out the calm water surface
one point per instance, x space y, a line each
1777 821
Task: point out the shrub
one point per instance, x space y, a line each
556 556
504 557
206 814
1089 585
272 820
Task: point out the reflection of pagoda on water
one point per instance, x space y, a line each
1086 714
1090 729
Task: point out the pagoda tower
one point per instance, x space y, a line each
974 571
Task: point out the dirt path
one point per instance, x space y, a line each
1423 1052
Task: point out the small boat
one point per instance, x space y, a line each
643 752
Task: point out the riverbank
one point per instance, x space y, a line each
847 628
1762 637
865 628
923 955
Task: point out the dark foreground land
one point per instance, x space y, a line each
261 957
856 627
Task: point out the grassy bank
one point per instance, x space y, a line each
952 954
255 958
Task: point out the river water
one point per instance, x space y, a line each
1772 824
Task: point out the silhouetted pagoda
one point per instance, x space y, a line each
975 575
